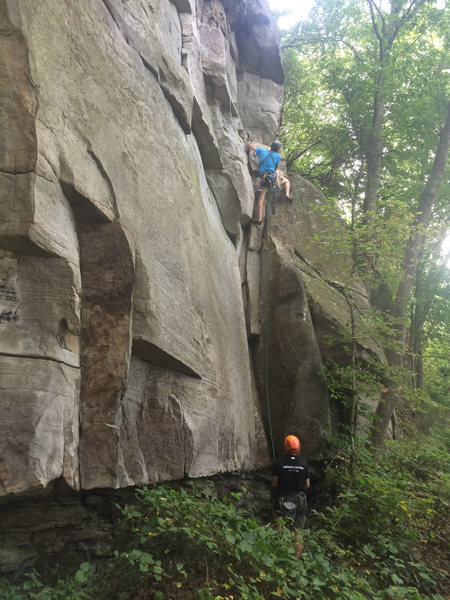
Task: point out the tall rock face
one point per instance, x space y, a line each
310 296
124 191
149 331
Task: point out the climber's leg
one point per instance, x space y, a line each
260 205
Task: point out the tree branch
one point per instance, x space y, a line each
408 14
299 154
355 52
296 45
374 22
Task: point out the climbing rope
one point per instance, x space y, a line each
269 199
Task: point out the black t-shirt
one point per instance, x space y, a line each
292 473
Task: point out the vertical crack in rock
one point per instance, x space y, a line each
107 275
110 8
181 106
298 395
206 139
150 68
177 90
107 285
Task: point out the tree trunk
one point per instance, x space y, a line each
374 150
415 345
386 30
415 242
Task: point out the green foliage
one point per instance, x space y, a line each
368 543
34 589
240 557
392 511
437 369
431 308
332 65
193 545
367 79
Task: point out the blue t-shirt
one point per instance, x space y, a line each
268 160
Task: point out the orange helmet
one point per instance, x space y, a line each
292 445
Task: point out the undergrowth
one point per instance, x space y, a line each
382 537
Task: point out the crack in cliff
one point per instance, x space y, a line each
176 106
107 4
309 263
146 64
342 288
150 68
17 172
46 178
38 357
107 179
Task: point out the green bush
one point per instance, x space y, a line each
390 510
240 558
379 539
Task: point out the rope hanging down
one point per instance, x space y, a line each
269 200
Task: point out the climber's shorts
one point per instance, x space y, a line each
260 187
282 179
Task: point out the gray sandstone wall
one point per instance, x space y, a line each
124 189
148 330
312 292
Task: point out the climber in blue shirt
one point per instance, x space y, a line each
269 160
268 169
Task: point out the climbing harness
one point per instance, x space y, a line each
269 179
290 506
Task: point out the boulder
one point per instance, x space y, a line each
312 289
287 359
331 278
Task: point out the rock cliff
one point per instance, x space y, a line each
148 330
125 187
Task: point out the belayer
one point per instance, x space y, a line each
269 175
290 480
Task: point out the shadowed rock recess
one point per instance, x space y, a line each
133 313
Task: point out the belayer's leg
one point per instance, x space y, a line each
299 546
300 520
